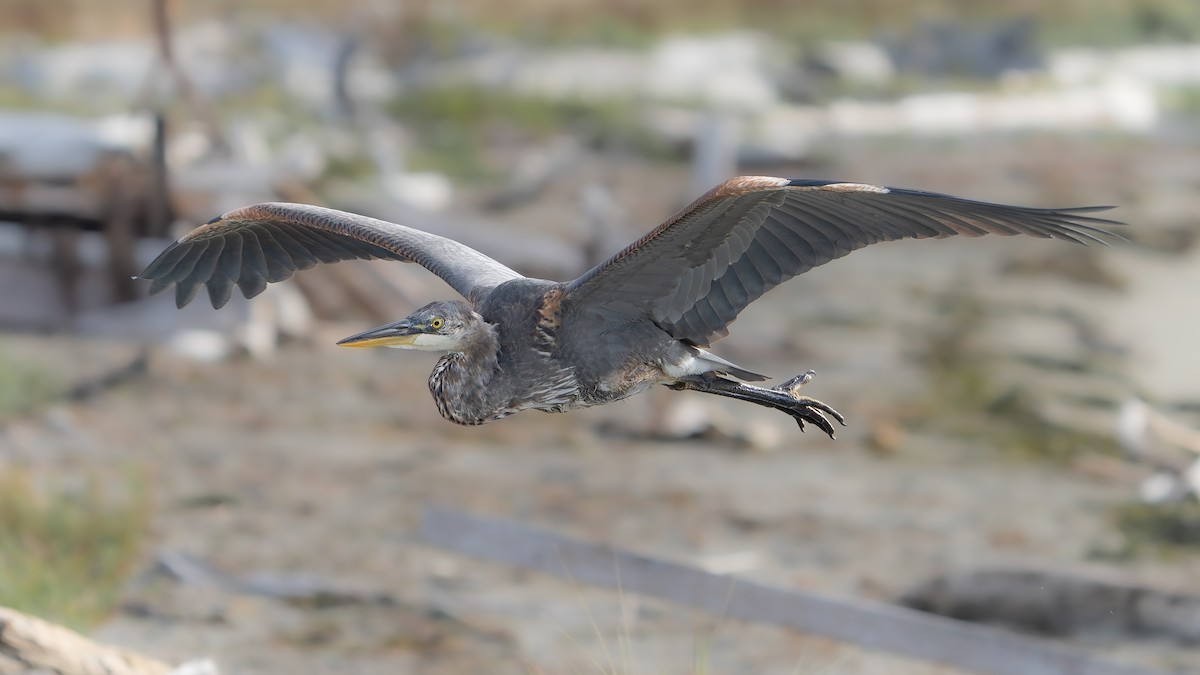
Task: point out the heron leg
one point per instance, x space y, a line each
784 397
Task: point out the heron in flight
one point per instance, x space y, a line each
645 316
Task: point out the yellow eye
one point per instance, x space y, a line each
436 323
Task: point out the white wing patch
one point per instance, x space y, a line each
854 187
702 362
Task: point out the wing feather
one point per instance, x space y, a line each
322 249
299 257
693 274
253 277
279 264
777 251
183 270
266 243
224 276
206 262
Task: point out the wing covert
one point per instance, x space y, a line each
696 272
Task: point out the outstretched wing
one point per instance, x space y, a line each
256 245
693 274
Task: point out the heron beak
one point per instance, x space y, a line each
399 334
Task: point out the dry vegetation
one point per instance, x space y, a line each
317 461
22 387
1094 22
313 462
66 551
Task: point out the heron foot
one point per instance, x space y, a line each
784 397
792 387
806 408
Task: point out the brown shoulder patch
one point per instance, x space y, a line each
743 184
549 318
730 189
230 220
550 312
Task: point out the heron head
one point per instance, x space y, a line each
442 326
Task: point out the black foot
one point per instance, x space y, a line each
804 408
784 397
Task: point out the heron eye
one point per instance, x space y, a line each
436 323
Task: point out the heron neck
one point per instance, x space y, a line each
481 352
461 383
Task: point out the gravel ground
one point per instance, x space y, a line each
318 461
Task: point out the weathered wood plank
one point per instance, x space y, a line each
874 626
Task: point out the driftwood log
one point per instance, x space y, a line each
29 644
1060 604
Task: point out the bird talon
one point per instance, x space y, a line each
804 408
813 411
823 407
816 419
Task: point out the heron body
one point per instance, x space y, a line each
483 370
641 318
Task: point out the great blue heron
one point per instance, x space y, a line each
643 317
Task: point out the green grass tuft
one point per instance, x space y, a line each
65 554
1165 528
23 388
968 398
454 122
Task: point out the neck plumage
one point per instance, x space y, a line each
461 381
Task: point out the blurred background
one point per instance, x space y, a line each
1011 404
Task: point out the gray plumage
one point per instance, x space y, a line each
640 318
265 243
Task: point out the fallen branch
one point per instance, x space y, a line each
288 587
136 367
1138 424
